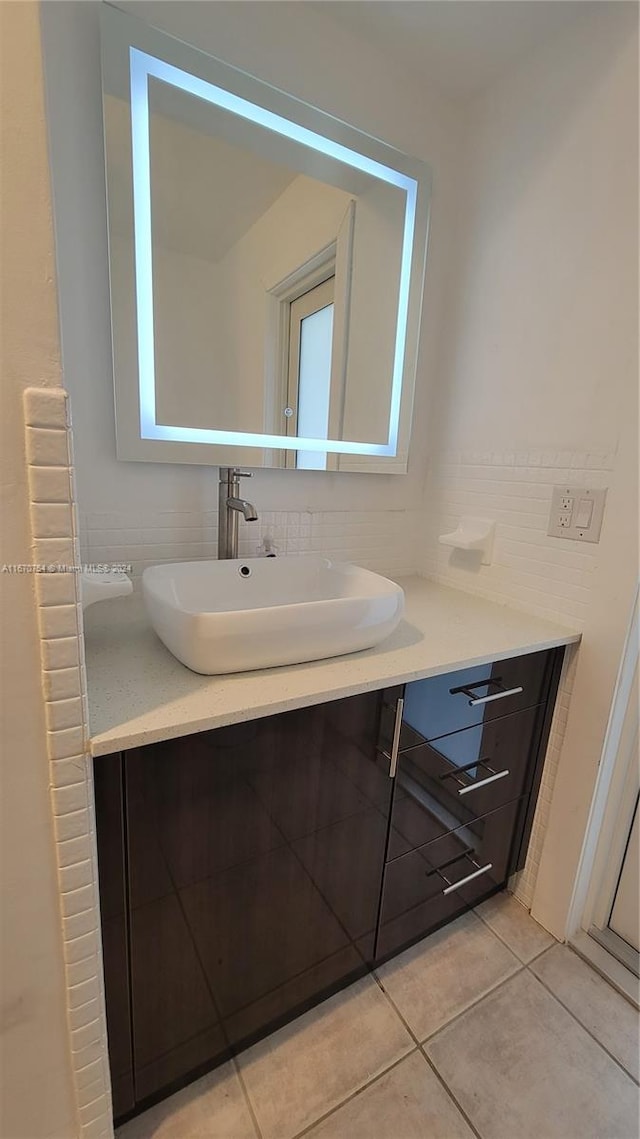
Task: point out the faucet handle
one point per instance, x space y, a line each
243 474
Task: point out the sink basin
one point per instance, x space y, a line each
229 616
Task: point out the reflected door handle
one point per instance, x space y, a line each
483 782
469 878
467 690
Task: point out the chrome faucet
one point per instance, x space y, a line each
230 504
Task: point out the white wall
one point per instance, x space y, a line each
37 1094
540 382
545 304
285 44
375 285
188 332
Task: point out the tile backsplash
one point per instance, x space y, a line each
548 576
381 540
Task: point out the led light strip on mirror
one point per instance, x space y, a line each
144 66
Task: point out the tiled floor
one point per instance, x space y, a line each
486 1028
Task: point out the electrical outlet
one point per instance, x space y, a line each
576 512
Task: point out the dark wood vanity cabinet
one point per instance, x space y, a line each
247 872
255 855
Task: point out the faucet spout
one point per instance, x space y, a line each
230 506
247 509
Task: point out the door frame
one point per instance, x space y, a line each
610 820
333 260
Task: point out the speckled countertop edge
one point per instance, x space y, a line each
140 694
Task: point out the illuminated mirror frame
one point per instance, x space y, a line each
225 87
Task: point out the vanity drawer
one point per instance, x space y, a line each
432 884
478 769
473 696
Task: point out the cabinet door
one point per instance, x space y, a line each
255 860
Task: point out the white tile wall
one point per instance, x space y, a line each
551 577
56 553
381 540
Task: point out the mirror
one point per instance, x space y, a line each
266 266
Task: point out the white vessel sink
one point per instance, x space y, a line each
229 616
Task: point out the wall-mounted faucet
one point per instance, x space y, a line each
230 504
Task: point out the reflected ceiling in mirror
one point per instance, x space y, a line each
266 268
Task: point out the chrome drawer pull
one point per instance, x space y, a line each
469 878
395 746
495 696
483 782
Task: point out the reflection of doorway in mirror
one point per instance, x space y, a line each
309 372
323 278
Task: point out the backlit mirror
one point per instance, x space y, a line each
266 268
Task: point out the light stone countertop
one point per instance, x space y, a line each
140 694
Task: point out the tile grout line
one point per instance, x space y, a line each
584 1027
254 1118
497 935
446 1024
430 1063
424 1054
541 954
489 993
395 1008
354 1095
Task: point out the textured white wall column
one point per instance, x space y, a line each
56 553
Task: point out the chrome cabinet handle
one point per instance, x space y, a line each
395 744
496 696
483 782
469 878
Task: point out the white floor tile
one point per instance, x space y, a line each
409 1102
514 924
521 1066
611 1018
444 974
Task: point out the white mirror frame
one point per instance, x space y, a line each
144 52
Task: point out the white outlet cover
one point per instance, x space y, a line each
567 504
